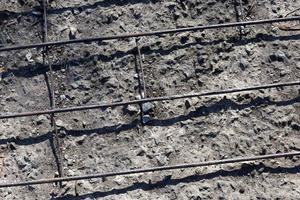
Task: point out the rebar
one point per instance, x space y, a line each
151 33
139 101
238 6
56 140
141 70
141 78
153 169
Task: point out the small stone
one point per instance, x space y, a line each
295 126
242 190
298 65
184 39
141 151
281 55
84 85
62 133
81 140
2 71
60 123
104 77
284 72
76 11
163 70
261 169
112 82
201 59
84 124
248 50
41 119
263 151
70 173
187 74
176 15
278 56
29 57
188 104
62 97
146 119
70 162
161 160
74 85
132 109
243 63
72 32
120 180
11 146
147 107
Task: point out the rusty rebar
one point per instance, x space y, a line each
139 101
153 169
151 33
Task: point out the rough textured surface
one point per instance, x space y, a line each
181 131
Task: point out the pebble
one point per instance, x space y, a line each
62 97
242 190
295 126
74 85
72 32
132 109
80 140
29 57
298 65
248 50
112 82
161 160
146 119
2 71
147 107
188 103
278 56
142 151
41 119
60 123
76 11
119 180
243 63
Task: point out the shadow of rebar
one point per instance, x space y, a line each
245 170
221 105
37 69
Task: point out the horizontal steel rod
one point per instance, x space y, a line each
154 169
160 32
164 98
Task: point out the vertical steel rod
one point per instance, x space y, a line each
141 77
238 6
56 142
241 9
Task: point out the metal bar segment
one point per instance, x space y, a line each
164 98
56 140
153 169
151 33
142 75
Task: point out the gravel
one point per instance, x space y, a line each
180 131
